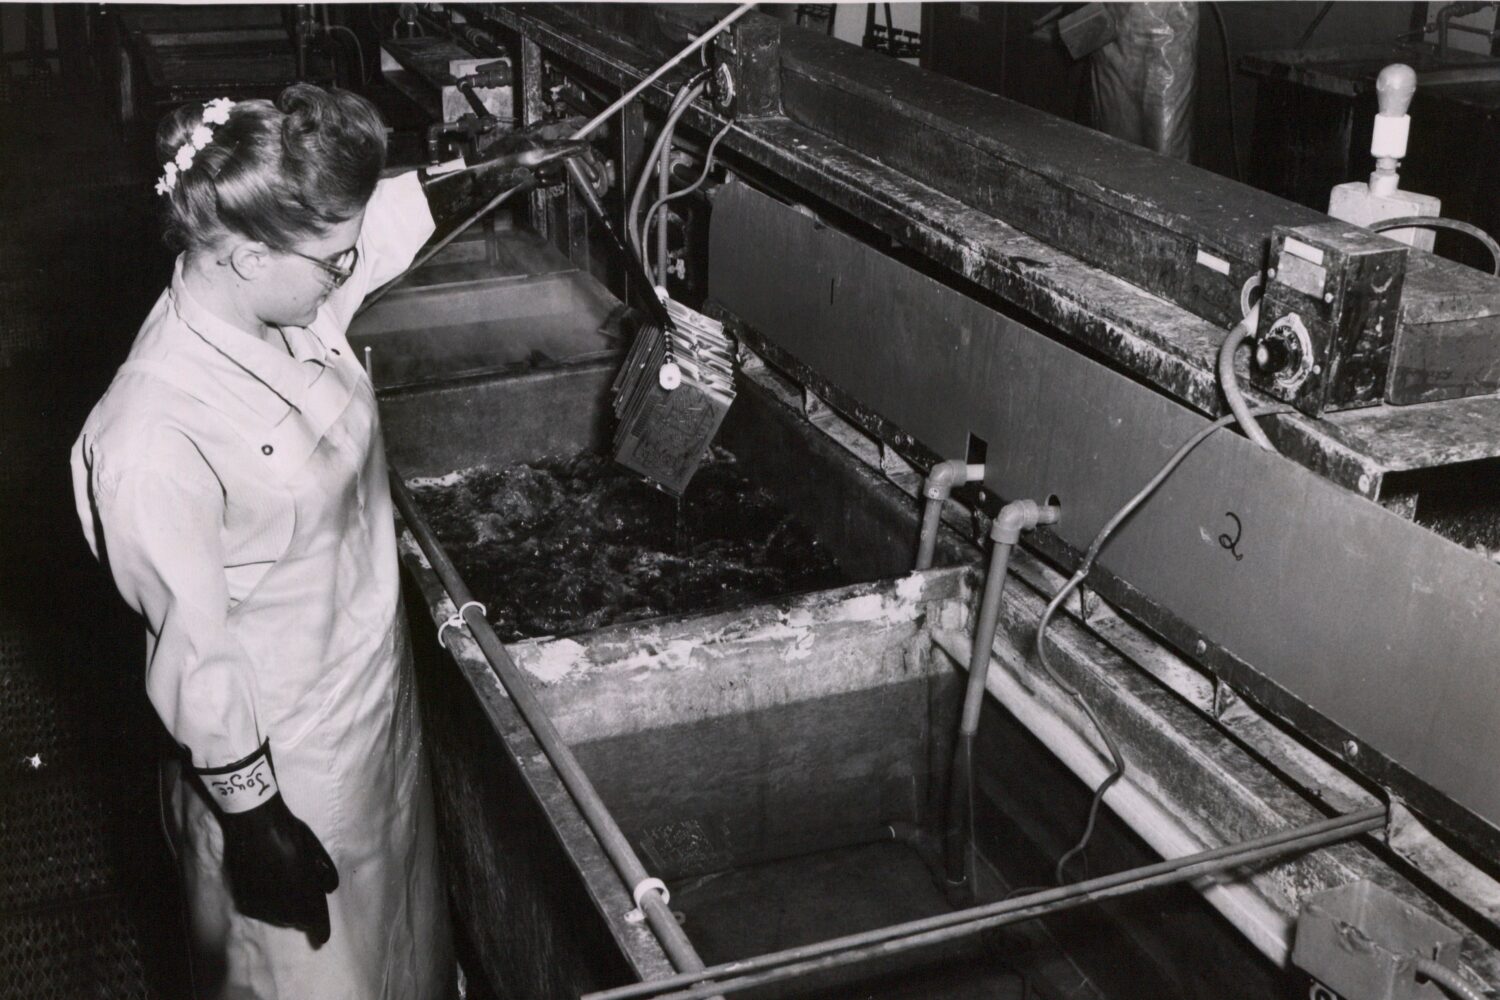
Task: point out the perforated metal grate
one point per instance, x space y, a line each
75 953
52 841
33 722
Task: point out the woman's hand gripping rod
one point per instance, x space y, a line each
583 133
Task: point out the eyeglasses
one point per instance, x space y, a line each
338 270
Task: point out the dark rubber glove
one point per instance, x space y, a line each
278 871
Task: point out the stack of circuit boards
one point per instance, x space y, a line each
671 395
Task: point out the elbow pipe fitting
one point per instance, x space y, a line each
943 476
941 479
1018 516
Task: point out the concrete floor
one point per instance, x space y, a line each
87 904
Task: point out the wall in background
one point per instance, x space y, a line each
990 45
1254 26
849 19
13 28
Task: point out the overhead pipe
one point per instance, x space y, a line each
941 479
958 835
663 188
649 893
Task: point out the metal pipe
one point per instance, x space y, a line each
635 228
796 962
958 834
652 903
302 28
1043 711
1439 222
667 66
694 185
936 489
663 188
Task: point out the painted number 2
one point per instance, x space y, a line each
1231 542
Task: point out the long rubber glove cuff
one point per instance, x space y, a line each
278 871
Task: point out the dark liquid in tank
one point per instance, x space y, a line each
567 546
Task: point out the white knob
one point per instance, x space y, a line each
1394 87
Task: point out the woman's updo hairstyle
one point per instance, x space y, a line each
280 174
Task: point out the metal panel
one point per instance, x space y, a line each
1162 343
1352 622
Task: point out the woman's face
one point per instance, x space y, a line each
295 287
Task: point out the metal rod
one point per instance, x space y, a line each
958 835
665 68
582 133
930 930
673 941
663 188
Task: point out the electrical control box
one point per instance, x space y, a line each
1328 317
1360 942
746 81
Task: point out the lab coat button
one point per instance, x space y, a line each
266 449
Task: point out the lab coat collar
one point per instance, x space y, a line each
276 370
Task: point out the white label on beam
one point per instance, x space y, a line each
1208 260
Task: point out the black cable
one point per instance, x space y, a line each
686 94
708 165
1089 558
1234 142
1438 222
1229 382
1450 979
1313 25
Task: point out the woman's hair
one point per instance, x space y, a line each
280 174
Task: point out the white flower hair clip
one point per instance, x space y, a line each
215 112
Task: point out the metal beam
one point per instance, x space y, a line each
1151 338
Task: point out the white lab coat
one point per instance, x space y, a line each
238 494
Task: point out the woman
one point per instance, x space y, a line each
233 480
